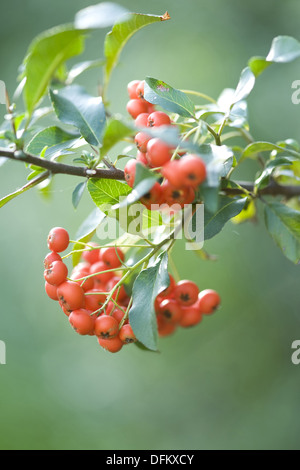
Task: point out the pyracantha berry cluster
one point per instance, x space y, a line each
96 306
181 173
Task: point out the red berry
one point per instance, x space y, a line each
170 171
71 295
82 321
131 88
170 310
129 172
142 120
120 293
186 292
58 239
208 301
191 316
168 291
118 314
140 89
106 326
66 311
153 197
51 291
56 273
192 170
94 299
136 107
91 255
87 283
112 345
164 327
50 257
172 195
158 118
158 153
101 267
126 334
141 140
141 157
113 257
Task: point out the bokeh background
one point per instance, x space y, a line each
229 383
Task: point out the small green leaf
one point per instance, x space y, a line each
248 213
257 147
86 231
228 208
258 65
78 193
148 284
54 138
20 191
115 131
172 100
98 16
283 224
269 169
73 105
121 32
218 160
283 49
105 192
45 55
245 85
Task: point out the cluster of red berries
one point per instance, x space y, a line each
96 276
183 305
181 176
82 295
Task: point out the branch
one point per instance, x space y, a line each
273 188
61 168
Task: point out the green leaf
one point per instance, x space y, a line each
245 85
20 191
248 213
218 160
86 232
105 192
148 284
121 32
73 105
132 257
78 193
228 208
258 65
283 49
46 54
269 169
115 131
283 224
97 16
257 147
54 138
172 100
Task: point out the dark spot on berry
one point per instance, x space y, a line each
185 297
167 314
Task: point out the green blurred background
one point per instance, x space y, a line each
229 383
